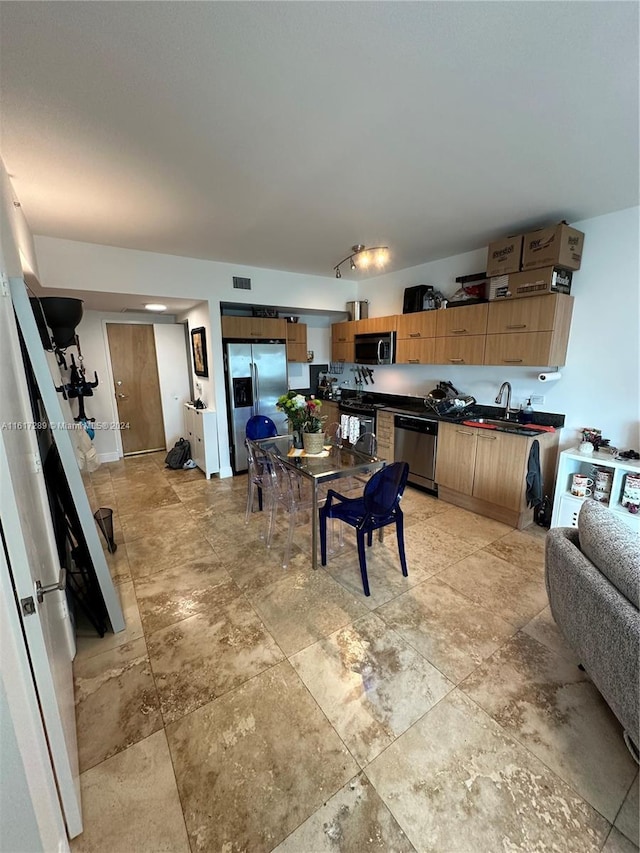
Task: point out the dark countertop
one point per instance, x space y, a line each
416 406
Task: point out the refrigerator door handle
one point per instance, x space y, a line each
256 390
252 367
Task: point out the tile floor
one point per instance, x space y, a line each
251 708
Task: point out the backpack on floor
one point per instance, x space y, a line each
178 455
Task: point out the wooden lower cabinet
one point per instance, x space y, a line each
385 435
415 351
486 471
331 415
455 460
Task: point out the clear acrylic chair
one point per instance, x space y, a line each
378 507
290 493
259 480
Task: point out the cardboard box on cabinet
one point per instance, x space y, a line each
557 246
530 283
504 256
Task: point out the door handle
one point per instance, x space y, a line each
60 585
123 396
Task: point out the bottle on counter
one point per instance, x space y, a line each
526 414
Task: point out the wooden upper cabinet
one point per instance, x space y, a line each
297 333
342 333
415 351
466 349
465 320
421 324
531 314
297 342
533 331
253 327
343 351
375 324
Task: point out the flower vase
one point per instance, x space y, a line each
313 442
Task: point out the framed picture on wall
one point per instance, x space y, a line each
199 350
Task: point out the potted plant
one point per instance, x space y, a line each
305 421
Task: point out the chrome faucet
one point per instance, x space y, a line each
507 408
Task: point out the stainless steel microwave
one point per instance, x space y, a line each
376 348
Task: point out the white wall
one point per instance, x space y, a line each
203 387
600 384
173 377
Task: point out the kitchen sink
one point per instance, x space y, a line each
508 426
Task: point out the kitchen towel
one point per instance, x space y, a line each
354 429
534 476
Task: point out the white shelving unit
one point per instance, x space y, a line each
567 506
201 427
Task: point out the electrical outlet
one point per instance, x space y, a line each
537 400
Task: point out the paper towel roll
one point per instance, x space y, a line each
549 377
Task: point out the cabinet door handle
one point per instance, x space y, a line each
457 360
464 432
512 360
413 360
457 331
342 340
256 334
414 334
488 437
518 326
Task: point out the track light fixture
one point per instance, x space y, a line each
365 257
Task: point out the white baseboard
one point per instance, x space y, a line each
108 457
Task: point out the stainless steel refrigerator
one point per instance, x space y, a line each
256 377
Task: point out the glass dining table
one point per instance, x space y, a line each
334 463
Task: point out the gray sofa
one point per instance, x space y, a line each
593 582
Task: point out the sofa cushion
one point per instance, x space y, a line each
612 547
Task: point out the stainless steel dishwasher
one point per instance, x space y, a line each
415 440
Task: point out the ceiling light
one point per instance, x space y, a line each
155 306
364 257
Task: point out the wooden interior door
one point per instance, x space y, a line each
137 389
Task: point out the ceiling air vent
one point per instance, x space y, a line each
241 283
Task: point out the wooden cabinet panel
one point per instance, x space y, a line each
455 460
422 324
530 314
253 327
343 332
527 348
331 414
415 351
297 342
375 324
385 435
342 352
500 468
462 350
297 353
466 320
297 333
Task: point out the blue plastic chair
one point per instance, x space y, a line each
378 507
260 426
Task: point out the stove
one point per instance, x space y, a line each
352 406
